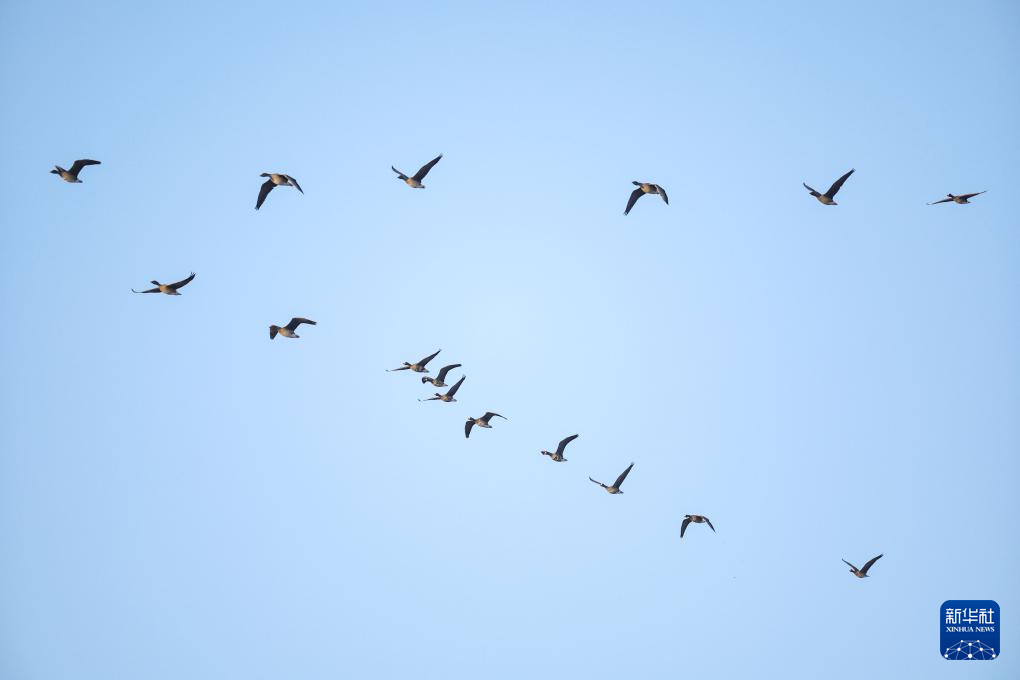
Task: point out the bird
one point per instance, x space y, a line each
642 189
418 367
72 174
862 572
962 199
276 179
826 198
438 380
288 330
697 519
615 488
480 422
167 288
448 397
557 456
415 182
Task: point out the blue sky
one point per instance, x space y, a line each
181 496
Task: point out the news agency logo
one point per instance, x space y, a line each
970 630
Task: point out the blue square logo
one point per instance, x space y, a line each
970 630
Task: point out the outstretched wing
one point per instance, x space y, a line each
297 321
634 196
850 565
467 427
813 192
453 390
429 358
662 192
424 170
267 186
399 174
867 565
563 444
623 476
683 527
490 414
151 290
944 200
831 193
81 163
598 482
709 523
967 196
443 371
294 183
181 283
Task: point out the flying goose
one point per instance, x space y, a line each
558 455
449 393
826 198
862 572
615 488
288 330
276 179
438 380
642 189
167 288
697 519
480 422
418 367
965 198
72 174
415 182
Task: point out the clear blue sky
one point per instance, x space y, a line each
182 497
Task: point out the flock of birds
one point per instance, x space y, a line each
414 181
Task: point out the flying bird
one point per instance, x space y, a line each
697 519
826 198
438 380
167 288
615 488
276 179
863 571
72 174
962 199
642 189
288 330
448 397
415 181
480 422
557 456
417 367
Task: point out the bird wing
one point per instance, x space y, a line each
151 290
467 428
424 170
598 482
662 192
563 444
399 174
867 565
429 358
267 186
297 321
182 282
444 370
944 200
850 565
295 184
813 192
623 476
709 523
453 390
966 196
81 163
489 414
831 193
634 196
683 527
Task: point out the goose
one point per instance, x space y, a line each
962 199
863 571
826 198
557 456
642 189
167 288
615 488
288 330
480 422
418 367
72 174
448 397
438 380
415 182
276 179
697 519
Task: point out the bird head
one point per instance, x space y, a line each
265 174
425 380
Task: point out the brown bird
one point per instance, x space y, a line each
697 519
826 198
166 288
415 181
438 380
276 179
417 367
72 174
615 488
642 189
448 397
480 422
557 456
863 571
288 330
962 199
